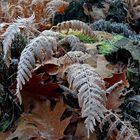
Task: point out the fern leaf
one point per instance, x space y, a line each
82 78
25 22
53 6
70 39
7 41
49 33
8 36
73 42
76 25
79 47
113 27
124 132
35 2
74 57
39 49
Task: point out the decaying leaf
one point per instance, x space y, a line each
37 88
115 97
81 132
116 78
102 67
50 67
41 123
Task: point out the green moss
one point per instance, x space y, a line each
105 48
83 38
116 38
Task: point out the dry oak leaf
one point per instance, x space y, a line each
82 133
41 123
36 88
92 50
116 77
102 67
115 97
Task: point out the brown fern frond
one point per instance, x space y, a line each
25 4
38 8
134 14
90 87
75 25
54 6
15 11
5 11
122 129
38 50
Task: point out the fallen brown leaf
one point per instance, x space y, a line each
115 97
41 123
116 78
102 67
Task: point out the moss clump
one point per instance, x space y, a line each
105 48
83 38
116 38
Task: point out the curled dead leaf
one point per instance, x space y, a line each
50 67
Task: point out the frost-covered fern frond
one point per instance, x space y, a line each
25 22
34 2
73 43
83 79
3 25
123 129
53 6
73 57
49 33
10 32
79 47
38 50
70 39
113 27
7 41
75 25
